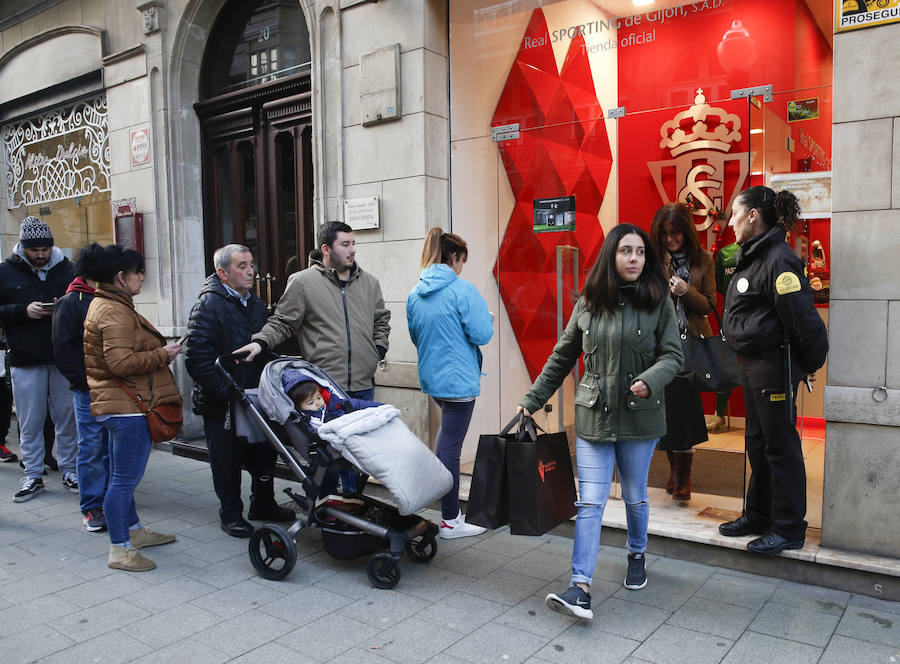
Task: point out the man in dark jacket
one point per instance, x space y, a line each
31 279
225 316
68 349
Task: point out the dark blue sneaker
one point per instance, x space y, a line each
94 520
574 601
637 577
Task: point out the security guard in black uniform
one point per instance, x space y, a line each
770 320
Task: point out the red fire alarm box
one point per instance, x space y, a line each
128 226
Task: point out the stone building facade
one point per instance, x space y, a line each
144 59
151 67
862 398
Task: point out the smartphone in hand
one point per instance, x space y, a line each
48 306
183 338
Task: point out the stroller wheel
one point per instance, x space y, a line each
383 570
421 549
272 552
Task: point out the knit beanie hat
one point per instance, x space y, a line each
35 233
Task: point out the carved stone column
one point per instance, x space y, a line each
154 12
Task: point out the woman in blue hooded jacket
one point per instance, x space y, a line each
448 321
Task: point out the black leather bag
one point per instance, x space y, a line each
713 361
685 423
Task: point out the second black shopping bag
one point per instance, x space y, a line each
523 479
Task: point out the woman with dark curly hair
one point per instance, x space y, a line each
126 360
770 320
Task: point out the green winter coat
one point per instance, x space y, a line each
619 349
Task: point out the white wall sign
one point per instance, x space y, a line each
140 146
361 213
58 155
812 189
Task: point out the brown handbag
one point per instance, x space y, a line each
163 420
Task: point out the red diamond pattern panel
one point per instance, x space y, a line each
563 150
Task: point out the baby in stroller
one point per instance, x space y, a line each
316 401
321 405
319 444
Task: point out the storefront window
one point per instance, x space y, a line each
613 110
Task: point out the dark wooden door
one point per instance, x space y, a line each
257 174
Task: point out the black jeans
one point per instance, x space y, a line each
5 408
227 457
455 418
776 493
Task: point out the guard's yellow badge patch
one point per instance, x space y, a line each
776 397
787 282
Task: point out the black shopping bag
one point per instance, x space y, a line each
685 422
488 504
541 483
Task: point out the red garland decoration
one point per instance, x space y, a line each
694 206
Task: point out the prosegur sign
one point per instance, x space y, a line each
853 14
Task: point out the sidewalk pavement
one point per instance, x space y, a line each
480 600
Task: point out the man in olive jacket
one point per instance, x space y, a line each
338 313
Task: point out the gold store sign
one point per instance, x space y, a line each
59 155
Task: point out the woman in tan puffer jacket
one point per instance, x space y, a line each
121 345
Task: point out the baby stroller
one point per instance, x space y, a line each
375 441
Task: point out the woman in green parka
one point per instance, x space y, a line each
624 325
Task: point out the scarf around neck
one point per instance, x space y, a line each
681 265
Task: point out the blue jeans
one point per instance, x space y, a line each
455 418
93 453
595 471
129 449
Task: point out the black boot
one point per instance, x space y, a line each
262 501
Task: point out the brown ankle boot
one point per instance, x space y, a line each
670 485
682 476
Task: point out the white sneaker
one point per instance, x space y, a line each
459 528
